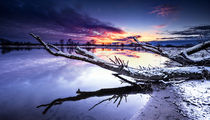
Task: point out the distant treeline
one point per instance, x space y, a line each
69 42
5 42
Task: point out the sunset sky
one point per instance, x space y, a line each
105 21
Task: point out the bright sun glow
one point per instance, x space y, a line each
110 37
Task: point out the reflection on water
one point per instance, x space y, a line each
135 58
134 55
31 78
116 93
8 49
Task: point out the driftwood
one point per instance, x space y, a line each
183 56
144 77
141 74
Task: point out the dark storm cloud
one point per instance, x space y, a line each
203 27
48 17
195 30
176 38
191 33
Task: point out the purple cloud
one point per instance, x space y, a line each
194 31
127 38
49 19
164 10
160 26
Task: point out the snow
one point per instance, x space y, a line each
196 99
194 59
86 52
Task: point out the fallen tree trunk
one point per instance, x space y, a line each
183 56
148 77
141 74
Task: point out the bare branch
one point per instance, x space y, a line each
112 61
182 57
56 48
125 80
85 53
198 47
153 75
151 48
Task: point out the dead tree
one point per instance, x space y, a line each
181 57
144 74
192 69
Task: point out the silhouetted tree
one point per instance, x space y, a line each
92 42
61 42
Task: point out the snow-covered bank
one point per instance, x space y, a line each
185 101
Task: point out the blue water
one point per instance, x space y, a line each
31 78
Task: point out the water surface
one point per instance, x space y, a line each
31 78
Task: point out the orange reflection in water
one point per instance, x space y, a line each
135 58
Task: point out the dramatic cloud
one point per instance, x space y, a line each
48 18
177 38
194 31
203 27
191 33
160 26
127 38
164 10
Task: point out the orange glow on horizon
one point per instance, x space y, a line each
110 37
137 57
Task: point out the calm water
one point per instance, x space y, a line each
31 78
